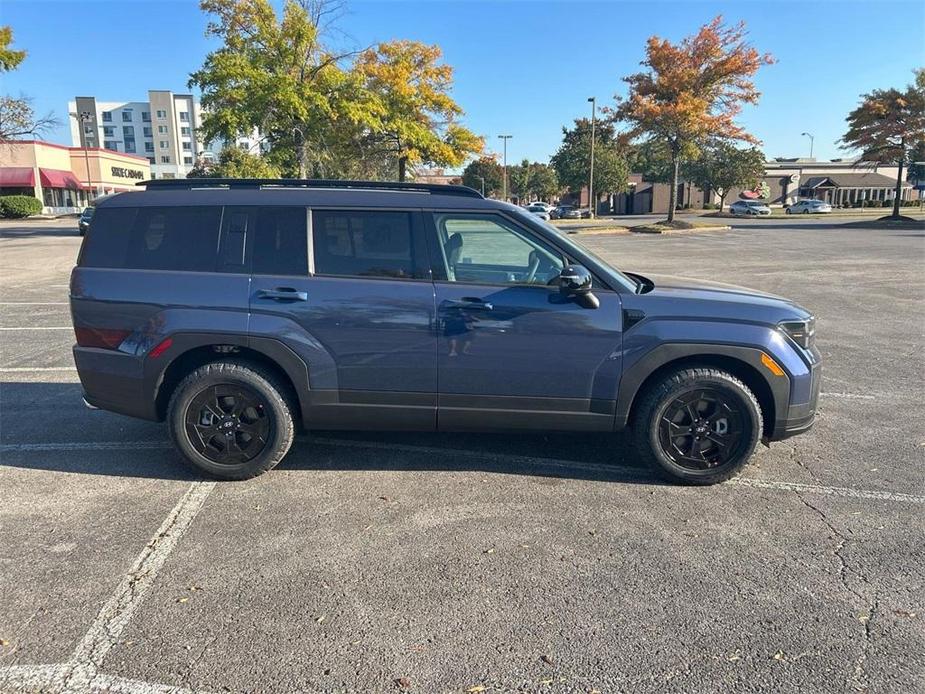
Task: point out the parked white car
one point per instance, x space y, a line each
540 206
809 207
752 208
542 214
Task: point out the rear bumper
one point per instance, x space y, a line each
114 381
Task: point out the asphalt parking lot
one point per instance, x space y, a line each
467 563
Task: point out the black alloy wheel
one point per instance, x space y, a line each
228 424
702 429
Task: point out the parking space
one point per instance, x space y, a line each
445 563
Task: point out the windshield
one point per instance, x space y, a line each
614 275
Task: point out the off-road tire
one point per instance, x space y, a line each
264 383
656 399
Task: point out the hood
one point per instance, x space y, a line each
708 299
686 284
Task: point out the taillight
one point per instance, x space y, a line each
104 338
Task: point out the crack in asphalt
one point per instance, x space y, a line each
856 680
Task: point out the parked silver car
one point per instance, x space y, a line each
809 207
752 208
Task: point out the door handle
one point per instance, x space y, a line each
282 294
471 303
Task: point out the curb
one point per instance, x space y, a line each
724 227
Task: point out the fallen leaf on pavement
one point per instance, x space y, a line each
403 683
546 659
182 599
476 688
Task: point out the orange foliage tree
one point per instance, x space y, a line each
692 91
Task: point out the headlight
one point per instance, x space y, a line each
803 332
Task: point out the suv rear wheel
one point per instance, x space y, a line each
231 419
697 426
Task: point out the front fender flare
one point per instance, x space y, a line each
634 376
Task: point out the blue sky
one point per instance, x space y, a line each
524 68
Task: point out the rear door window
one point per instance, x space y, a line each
154 238
367 244
281 241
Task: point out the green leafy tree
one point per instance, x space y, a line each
722 166
692 91
652 159
572 161
9 57
234 162
413 117
276 74
889 126
485 169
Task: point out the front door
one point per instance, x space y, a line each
354 298
511 351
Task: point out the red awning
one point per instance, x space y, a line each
17 177
56 178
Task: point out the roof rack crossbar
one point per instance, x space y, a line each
191 183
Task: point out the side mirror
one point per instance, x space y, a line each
574 279
575 283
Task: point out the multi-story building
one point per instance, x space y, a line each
162 129
165 129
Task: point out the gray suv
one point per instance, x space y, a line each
242 310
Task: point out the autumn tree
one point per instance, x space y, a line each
721 166
17 117
572 161
413 116
10 58
275 73
889 126
692 91
234 162
487 171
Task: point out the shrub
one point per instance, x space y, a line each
18 206
886 203
711 205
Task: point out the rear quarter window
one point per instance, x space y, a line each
153 238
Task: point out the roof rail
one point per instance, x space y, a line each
191 183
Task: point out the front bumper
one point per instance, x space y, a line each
801 417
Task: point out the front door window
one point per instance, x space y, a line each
486 249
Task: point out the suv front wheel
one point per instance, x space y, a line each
697 426
231 419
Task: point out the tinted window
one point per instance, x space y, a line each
487 249
363 244
281 241
154 238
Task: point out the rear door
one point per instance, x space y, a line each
350 291
511 351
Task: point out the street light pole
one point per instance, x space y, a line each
505 138
591 205
811 140
482 179
82 119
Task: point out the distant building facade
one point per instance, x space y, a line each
66 179
165 130
841 182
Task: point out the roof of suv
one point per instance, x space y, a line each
216 191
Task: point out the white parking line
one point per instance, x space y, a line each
34 303
81 672
118 610
610 470
30 327
856 396
28 369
